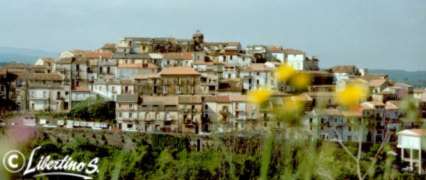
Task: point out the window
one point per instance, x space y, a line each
130 115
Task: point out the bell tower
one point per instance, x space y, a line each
197 41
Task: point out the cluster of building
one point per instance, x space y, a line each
194 86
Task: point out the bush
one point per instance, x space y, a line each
95 108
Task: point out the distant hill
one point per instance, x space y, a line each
415 78
21 55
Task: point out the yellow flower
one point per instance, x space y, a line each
300 80
291 111
284 72
293 104
259 95
352 95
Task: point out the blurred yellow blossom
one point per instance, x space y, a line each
291 111
293 104
259 96
352 95
301 80
284 72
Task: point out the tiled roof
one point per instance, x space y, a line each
45 76
3 72
276 49
257 67
160 100
131 56
293 51
141 66
96 54
413 132
127 98
238 98
353 113
144 76
392 105
68 61
81 89
178 56
218 99
376 82
181 71
190 100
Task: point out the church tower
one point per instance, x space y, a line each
197 41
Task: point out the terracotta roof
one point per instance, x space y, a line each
293 51
149 76
68 61
45 76
3 71
392 105
356 113
257 67
81 89
141 66
181 71
238 98
131 56
160 100
218 99
413 132
190 100
377 82
96 54
276 49
178 56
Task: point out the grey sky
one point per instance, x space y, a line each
369 33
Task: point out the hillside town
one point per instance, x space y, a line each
193 86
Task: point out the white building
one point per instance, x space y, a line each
257 75
413 143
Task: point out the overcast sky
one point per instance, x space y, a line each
369 33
